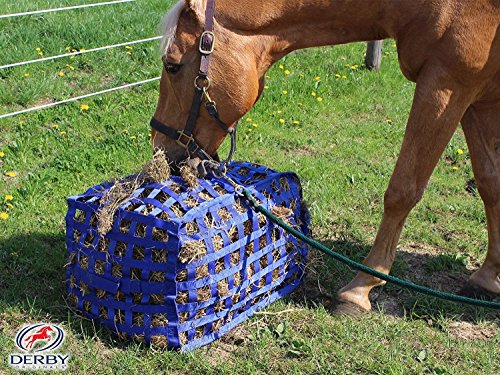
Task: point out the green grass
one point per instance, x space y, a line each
344 149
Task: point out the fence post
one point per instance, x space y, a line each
373 58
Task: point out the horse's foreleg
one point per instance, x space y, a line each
438 106
481 125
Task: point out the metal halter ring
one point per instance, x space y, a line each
199 78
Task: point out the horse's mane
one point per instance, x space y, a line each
171 20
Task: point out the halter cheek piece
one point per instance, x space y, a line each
185 138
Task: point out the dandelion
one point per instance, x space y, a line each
266 87
388 121
129 53
4 216
295 122
317 78
354 67
255 125
248 119
338 75
460 151
344 77
455 168
279 111
82 49
62 132
70 67
319 99
38 49
84 107
133 137
347 65
21 122
68 49
10 205
313 93
285 92
287 72
54 126
282 120
11 174
281 67
40 53
72 57
26 75
2 154
73 50
61 74
129 47
9 197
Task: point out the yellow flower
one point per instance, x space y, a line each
72 57
70 67
4 216
337 75
355 66
11 174
281 67
266 87
26 75
61 74
68 48
317 78
287 72
62 132
133 137
10 205
54 126
296 122
248 119
460 151
455 168
129 47
129 53
38 49
255 125
279 111
282 120
389 121
84 107
125 131
285 92
344 77
73 50
319 99
313 93
347 65
9 197
82 49
21 122
40 53
302 76
2 154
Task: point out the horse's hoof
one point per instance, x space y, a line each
345 308
475 291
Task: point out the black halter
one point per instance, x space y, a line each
185 138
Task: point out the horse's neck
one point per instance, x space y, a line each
288 25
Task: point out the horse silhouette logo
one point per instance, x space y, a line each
39 337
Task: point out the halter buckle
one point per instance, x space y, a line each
207 43
184 137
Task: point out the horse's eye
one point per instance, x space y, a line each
171 67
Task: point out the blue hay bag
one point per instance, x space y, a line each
180 266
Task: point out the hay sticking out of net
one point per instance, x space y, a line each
189 175
155 170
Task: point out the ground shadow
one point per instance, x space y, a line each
32 266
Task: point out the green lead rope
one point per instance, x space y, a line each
361 267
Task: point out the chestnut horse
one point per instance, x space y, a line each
450 48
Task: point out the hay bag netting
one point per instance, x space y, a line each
179 266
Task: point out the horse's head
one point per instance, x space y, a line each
234 73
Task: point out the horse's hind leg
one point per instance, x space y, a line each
438 106
481 125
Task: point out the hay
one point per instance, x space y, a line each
159 341
100 293
159 255
155 170
136 297
157 276
218 242
192 251
182 297
201 313
204 293
157 299
159 320
189 175
160 235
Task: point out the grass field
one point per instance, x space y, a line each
322 115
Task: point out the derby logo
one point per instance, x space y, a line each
38 342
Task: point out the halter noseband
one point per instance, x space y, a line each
185 138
